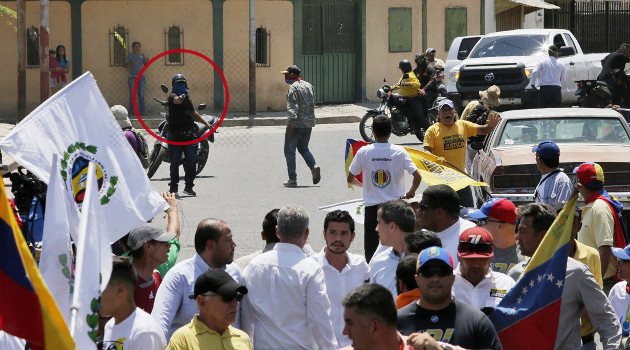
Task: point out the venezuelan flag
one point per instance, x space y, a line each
27 310
352 146
527 317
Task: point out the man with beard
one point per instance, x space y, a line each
214 248
438 313
343 271
475 284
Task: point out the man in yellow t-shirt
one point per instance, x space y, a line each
447 139
409 86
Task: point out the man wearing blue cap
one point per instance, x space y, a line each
437 312
555 185
619 295
447 139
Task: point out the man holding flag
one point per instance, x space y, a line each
552 290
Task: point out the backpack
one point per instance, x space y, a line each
143 148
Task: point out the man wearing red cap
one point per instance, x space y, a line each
498 216
475 284
601 224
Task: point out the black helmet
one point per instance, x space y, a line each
405 65
420 58
619 74
178 77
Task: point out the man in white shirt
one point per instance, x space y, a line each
475 283
440 213
554 186
214 248
547 78
343 271
268 234
382 165
396 220
287 306
130 327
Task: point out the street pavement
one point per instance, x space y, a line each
243 181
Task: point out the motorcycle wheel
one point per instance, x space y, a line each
365 126
433 116
155 159
202 155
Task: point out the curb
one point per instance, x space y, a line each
153 123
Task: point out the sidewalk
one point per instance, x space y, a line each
325 114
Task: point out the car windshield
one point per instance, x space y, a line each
564 130
512 45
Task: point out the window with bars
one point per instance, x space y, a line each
118 45
263 45
32 47
174 40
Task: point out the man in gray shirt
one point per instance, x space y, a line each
134 62
580 289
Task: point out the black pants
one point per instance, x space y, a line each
370 236
549 96
415 112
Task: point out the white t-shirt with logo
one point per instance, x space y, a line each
138 331
382 165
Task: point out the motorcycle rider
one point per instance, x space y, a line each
614 60
428 81
409 86
621 92
181 128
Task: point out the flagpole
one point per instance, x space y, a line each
74 308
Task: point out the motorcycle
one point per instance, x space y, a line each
434 111
393 106
593 93
160 151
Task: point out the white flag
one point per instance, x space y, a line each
94 265
76 123
56 259
355 207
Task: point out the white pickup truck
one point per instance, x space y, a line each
508 58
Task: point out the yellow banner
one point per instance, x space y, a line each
435 170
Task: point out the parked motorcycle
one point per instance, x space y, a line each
593 93
393 106
160 151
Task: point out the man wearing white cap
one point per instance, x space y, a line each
447 139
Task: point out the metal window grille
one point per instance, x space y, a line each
263 47
174 40
118 45
32 47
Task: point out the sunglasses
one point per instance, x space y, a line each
467 247
423 206
441 271
484 221
518 221
227 299
621 262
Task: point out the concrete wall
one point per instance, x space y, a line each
146 22
277 18
379 62
435 28
59 31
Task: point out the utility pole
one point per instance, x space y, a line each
43 50
252 58
21 68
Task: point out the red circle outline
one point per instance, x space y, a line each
207 134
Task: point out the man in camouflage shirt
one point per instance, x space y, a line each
300 122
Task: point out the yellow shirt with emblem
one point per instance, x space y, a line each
449 142
589 257
196 336
411 90
598 227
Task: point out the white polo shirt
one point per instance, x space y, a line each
489 292
339 284
450 237
383 269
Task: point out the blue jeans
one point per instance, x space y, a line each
190 163
139 94
297 140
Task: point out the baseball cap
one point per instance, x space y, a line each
434 253
497 208
475 242
217 281
547 149
622 253
292 69
430 50
446 102
146 233
590 174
